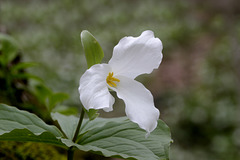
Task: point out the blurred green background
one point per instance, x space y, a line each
196 88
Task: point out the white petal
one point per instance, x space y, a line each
139 103
133 56
111 102
93 88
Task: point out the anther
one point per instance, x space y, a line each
110 80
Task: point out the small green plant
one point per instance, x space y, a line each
22 89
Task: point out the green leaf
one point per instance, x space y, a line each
17 125
92 114
22 65
99 122
26 76
8 49
41 91
24 135
68 124
119 137
56 98
92 49
65 110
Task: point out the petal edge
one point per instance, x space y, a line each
139 103
134 56
93 88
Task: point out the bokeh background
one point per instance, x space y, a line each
197 86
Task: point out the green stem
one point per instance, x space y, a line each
70 153
70 150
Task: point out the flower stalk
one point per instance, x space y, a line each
70 150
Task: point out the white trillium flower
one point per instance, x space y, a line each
132 56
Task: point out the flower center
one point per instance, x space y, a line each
110 80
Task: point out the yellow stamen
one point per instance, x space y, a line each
110 80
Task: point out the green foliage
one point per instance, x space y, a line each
56 98
66 110
68 124
13 76
8 49
117 137
92 114
23 65
47 96
22 151
19 125
17 87
126 138
92 49
39 151
122 138
8 56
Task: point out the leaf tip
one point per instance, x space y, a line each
84 33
